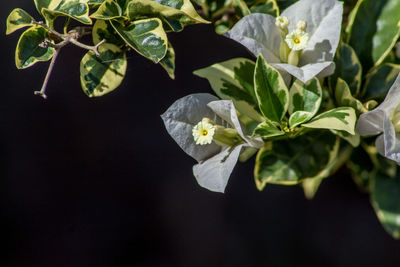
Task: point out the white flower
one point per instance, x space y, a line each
215 162
323 18
297 40
282 22
203 132
384 119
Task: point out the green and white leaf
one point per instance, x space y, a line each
146 36
241 8
103 30
345 99
175 13
348 68
102 74
95 3
269 7
18 19
47 4
271 91
388 31
353 140
379 81
342 119
29 51
385 199
75 9
305 100
365 34
290 162
233 79
267 130
168 62
109 9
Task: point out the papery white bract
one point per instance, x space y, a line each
323 18
384 119
215 163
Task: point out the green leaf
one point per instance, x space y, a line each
75 9
101 75
379 81
305 100
388 31
290 162
353 140
367 30
348 68
269 7
271 91
267 130
168 62
241 8
338 156
283 4
345 99
102 30
95 3
146 36
362 168
233 79
385 199
109 9
175 13
29 51
18 19
48 4
342 119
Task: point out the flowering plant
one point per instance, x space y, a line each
321 81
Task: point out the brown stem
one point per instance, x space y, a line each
42 91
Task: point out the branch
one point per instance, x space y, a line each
42 92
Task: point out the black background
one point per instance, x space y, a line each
98 182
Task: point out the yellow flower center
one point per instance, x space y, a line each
296 40
205 132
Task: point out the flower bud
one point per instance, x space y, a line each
282 23
301 25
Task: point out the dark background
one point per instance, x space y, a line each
98 182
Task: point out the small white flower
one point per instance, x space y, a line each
203 133
297 40
301 25
282 22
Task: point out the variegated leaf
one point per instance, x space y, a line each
18 19
102 30
95 3
271 91
109 9
290 162
267 130
29 51
75 9
379 81
345 99
176 14
168 62
305 100
385 200
233 79
102 74
348 68
269 7
342 119
146 36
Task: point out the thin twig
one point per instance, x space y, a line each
94 48
42 92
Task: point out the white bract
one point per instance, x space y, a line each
185 119
321 20
384 120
